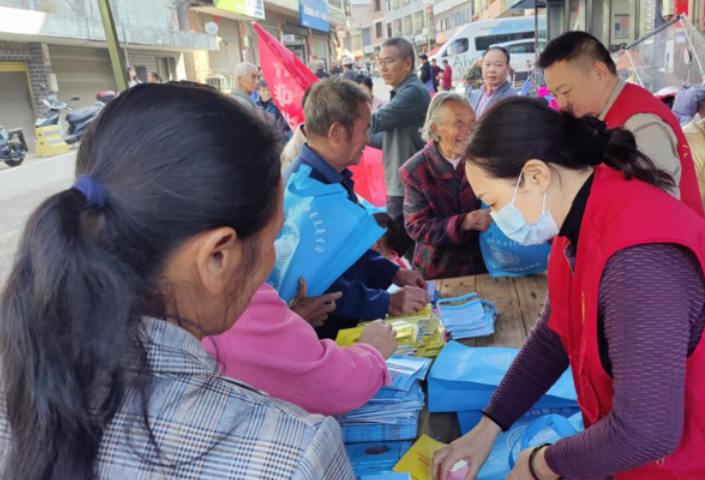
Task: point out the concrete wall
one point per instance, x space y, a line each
38 64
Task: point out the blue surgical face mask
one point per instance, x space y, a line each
511 221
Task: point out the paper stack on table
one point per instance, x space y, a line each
467 316
393 413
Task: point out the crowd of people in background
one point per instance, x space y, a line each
138 335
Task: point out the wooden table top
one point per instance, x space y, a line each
519 302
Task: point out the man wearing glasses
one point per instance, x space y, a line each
399 122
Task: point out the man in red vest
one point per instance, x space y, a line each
583 77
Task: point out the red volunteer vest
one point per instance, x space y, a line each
621 214
634 100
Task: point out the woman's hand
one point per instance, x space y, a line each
521 469
381 336
479 220
474 448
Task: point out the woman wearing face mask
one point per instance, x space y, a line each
626 299
116 281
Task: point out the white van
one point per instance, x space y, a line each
467 46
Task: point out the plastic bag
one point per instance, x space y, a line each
324 233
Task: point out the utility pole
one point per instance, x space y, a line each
113 45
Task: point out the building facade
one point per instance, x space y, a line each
58 49
451 16
413 20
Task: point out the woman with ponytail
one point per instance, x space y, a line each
626 303
158 244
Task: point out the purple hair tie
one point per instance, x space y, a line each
94 191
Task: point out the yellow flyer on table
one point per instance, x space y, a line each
417 460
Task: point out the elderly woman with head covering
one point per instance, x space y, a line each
441 212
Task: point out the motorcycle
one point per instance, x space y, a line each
78 121
13 146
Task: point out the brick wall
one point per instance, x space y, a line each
38 63
148 60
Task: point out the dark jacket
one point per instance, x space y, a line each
687 103
400 120
279 121
365 283
437 199
320 73
426 72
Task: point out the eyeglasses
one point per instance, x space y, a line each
388 61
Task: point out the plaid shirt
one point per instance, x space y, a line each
437 198
211 427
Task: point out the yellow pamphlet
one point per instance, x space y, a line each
417 460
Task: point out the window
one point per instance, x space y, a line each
378 5
389 30
407 25
483 43
378 30
459 46
388 5
527 47
418 22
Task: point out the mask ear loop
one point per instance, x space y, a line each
545 197
516 189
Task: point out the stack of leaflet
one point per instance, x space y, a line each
376 459
419 334
467 316
393 413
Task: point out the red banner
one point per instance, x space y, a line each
288 78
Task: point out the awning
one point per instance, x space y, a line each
435 50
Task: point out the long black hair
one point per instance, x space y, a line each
520 129
174 161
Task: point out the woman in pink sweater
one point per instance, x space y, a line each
275 350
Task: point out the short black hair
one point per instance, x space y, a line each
498 49
576 46
445 61
385 220
364 80
405 47
423 56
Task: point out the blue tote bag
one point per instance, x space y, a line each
465 378
323 234
535 428
506 258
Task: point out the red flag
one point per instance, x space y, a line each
288 78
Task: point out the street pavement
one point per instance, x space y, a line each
22 190
381 90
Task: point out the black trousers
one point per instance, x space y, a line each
402 244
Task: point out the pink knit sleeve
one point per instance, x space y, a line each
275 350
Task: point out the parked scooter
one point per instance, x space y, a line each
13 146
78 121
